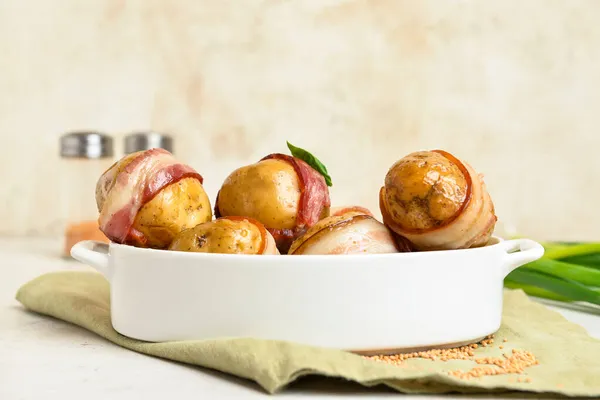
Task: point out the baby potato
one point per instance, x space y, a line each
228 235
284 193
177 207
140 207
432 201
268 191
423 190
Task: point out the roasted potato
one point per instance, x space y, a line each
179 206
166 204
229 235
267 191
423 190
434 201
283 193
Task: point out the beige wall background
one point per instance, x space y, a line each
512 87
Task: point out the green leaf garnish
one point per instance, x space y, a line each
310 160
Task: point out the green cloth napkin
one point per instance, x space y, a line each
569 359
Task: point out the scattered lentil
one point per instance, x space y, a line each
455 353
514 363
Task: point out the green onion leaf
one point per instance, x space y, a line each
579 249
310 160
589 260
550 247
565 288
584 275
532 290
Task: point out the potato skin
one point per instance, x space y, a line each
222 235
268 191
178 206
424 190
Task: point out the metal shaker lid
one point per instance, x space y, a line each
86 144
140 141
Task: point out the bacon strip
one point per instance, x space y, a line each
314 195
469 227
137 184
285 237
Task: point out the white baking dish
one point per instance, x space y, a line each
364 303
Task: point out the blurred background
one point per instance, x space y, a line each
512 87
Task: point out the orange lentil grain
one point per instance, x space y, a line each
513 363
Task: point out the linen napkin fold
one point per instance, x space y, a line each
568 358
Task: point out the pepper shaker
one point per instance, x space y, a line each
85 155
139 141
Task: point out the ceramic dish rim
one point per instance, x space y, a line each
495 243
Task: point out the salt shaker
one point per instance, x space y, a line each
139 141
85 155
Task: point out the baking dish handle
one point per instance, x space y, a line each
520 252
93 253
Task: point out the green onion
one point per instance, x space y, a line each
561 252
548 247
589 260
566 288
578 273
536 291
567 272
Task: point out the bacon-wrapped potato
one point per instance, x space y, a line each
229 235
349 232
283 192
434 201
148 197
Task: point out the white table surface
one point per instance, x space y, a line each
44 358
